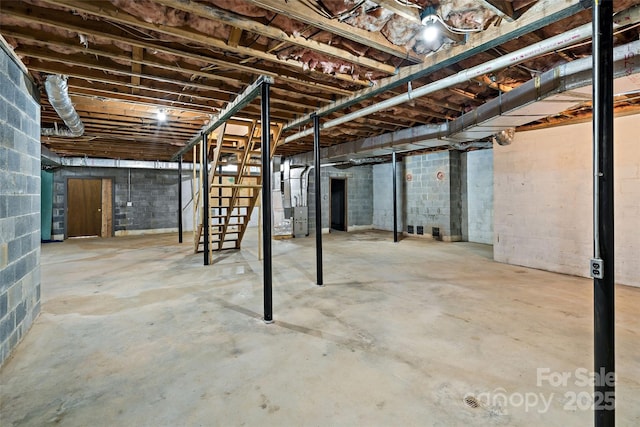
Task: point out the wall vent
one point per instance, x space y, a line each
420 230
435 232
410 229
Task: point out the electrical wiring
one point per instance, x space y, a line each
437 18
408 4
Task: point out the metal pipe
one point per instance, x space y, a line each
629 16
58 94
205 198
604 282
543 13
220 220
265 145
503 112
395 199
180 199
318 198
96 162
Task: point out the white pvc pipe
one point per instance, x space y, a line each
629 16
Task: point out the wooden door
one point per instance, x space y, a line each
84 207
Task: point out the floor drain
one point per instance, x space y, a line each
471 402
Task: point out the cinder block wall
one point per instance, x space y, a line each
433 193
543 200
19 204
479 196
383 195
153 195
359 196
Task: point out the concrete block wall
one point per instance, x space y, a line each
543 200
153 195
383 195
478 183
19 204
359 196
433 193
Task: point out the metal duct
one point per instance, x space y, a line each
550 93
462 146
58 94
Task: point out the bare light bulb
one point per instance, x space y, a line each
430 33
161 115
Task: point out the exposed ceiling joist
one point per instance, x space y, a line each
502 8
301 12
184 56
407 12
230 110
102 10
274 33
543 13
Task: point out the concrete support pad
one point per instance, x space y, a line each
135 331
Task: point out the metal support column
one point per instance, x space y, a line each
265 145
395 199
318 198
602 266
220 221
205 197
180 199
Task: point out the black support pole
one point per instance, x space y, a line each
180 199
604 396
318 198
395 199
265 144
205 198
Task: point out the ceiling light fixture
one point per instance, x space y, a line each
431 32
161 115
429 19
434 25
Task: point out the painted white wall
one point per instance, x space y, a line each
187 203
383 196
480 196
543 200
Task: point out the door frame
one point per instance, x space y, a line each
346 200
104 204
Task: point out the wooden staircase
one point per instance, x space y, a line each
234 184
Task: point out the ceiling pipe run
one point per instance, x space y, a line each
58 94
552 92
629 16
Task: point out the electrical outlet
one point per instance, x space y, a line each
129 204
597 268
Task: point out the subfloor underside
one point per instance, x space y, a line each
134 331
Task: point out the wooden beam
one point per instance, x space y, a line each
102 10
96 76
136 61
44 17
300 12
136 68
74 61
274 33
502 8
234 37
486 81
111 92
281 95
543 13
408 13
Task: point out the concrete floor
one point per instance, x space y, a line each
134 331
